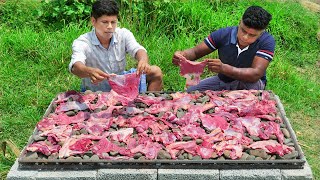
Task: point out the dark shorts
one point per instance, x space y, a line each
215 84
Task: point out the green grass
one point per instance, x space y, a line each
34 60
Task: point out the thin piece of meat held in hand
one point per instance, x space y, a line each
191 71
126 85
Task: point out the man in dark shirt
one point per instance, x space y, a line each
245 52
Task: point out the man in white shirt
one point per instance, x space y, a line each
102 52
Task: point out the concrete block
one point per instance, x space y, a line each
188 174
297 174
127 174
67 175
16 174
250 174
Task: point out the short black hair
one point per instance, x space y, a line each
256 17
105 7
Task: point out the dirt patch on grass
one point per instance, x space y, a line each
312 6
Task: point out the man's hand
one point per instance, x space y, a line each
177 57
143 67
215 65
96 75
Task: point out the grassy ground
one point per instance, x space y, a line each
34 60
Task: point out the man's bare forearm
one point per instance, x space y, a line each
142 55
80 70
242 74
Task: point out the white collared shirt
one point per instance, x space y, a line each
88 50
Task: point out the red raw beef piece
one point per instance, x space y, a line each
220 141
235 148
174 148
193 131
106 113
83 145
75 146
58 134
168 117
165 138
121 121
149 149
265 95
220 101
156 127
231 134
46 124
126 85
101 101
178 95
204 152
43 147
121 135
63 119
187 66
228 116
63 97
97 126
98 123
149 100
163 106
213 122
240 94
272 146
215 136
252 125
269 117
255 108
236 125
90 97
190 117
71 105
191 71
130 111
183 103
271 128
104 146
141 123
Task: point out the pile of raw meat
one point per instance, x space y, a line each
201 125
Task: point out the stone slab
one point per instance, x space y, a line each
67 175
297 174
127 174
188 174
162 174
16 174
251 174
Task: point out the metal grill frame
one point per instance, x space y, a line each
65 164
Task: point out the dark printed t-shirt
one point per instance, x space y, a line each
225 40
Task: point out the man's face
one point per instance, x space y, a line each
105 26
246 35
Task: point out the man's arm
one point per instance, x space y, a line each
83 71
191 54
252 74
143 62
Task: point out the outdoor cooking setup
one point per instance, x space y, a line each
245 129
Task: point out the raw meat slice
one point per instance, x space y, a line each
44 148
191 71
126 85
